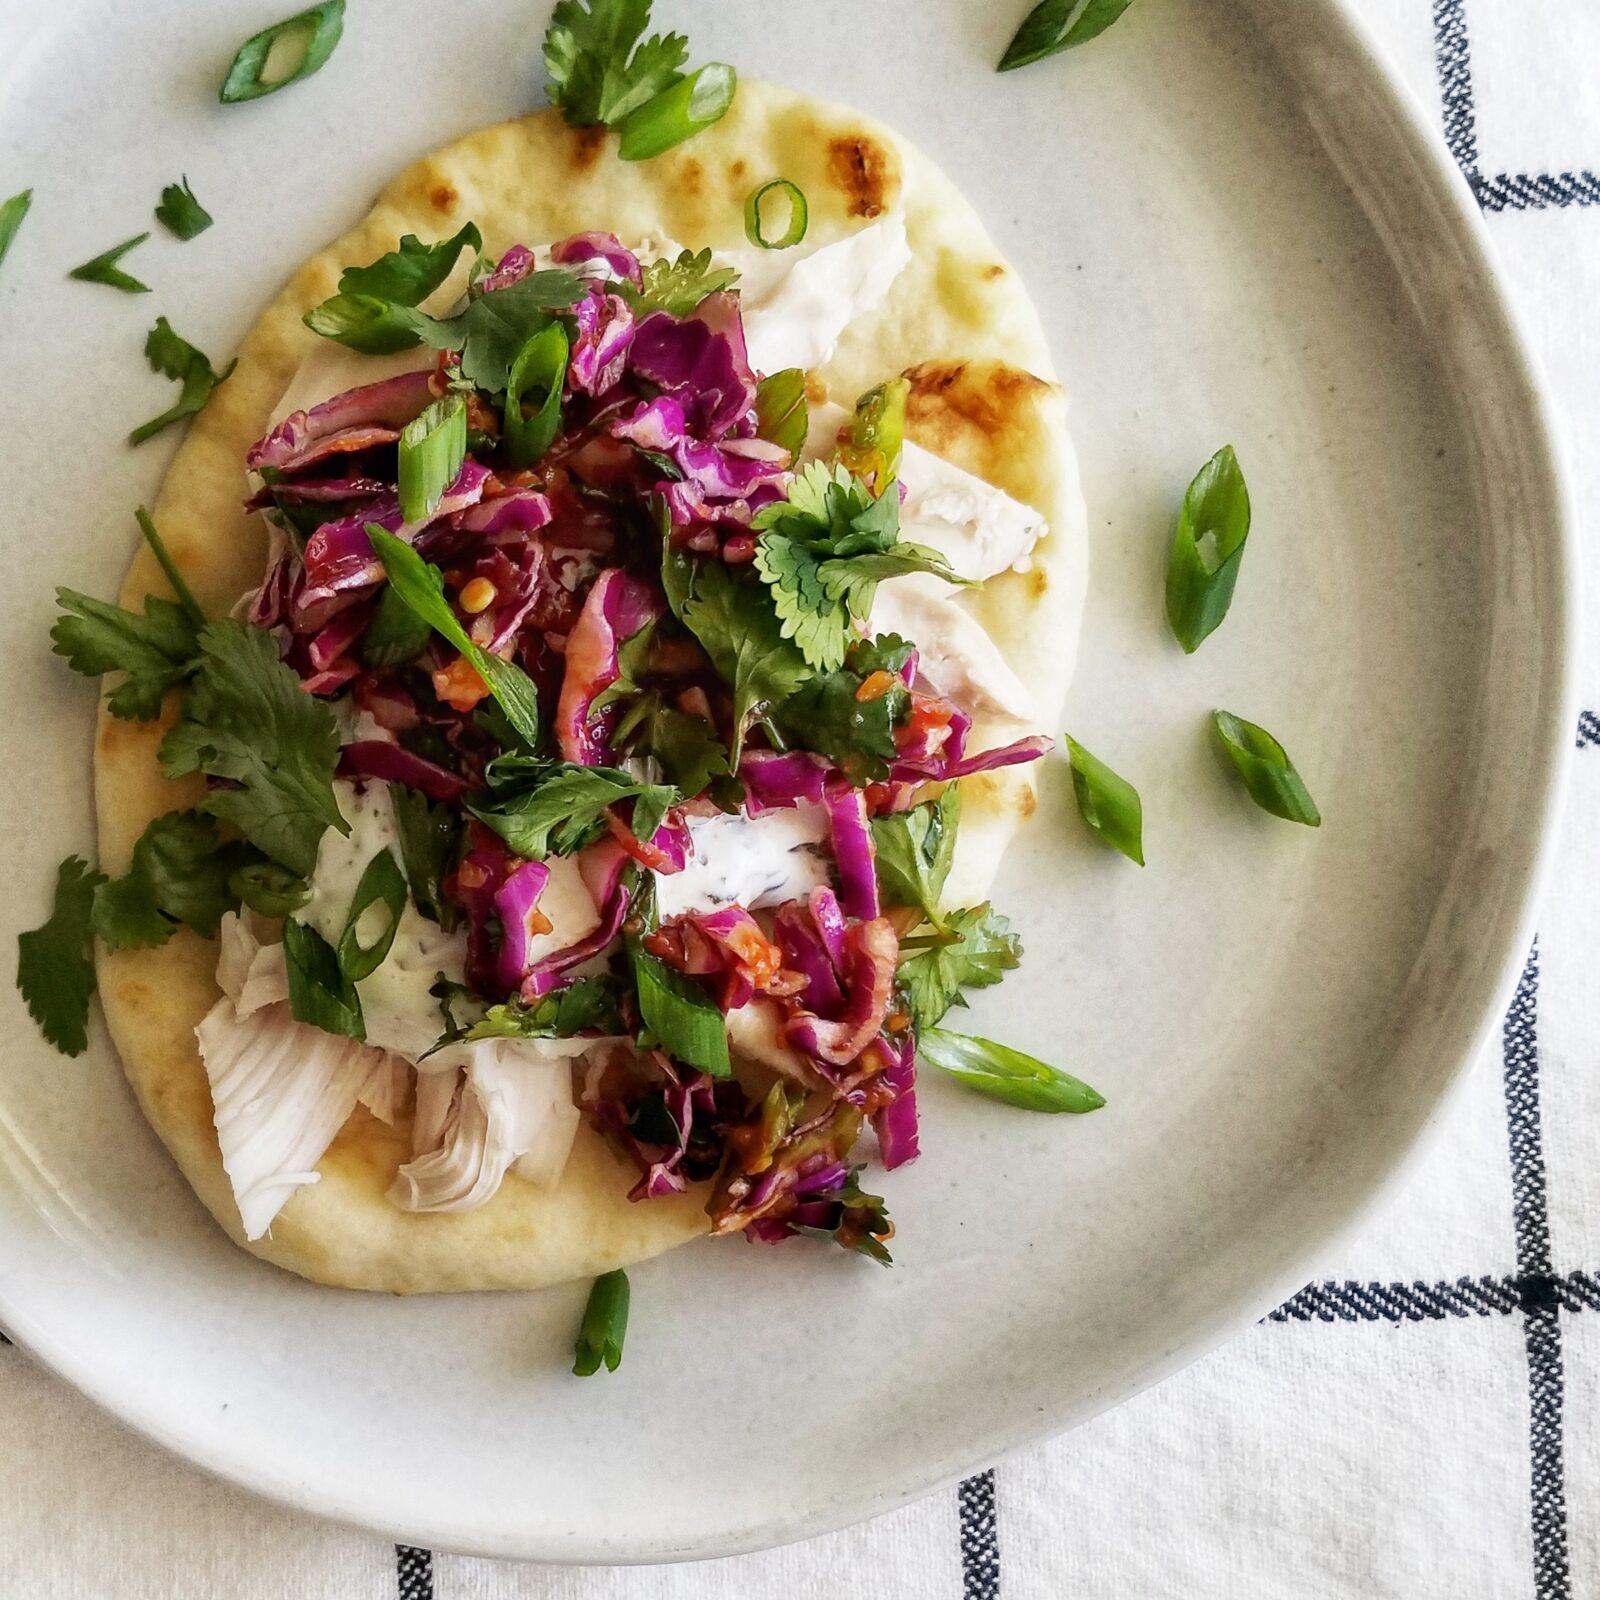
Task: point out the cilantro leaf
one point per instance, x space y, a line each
825 713
543 808
731 614
156 650
170 354
677 287
972 951
914 850
104 269
495 327
369 311
180 213
686 747
430 842
181 871
599 68
248 720
54 971
823 552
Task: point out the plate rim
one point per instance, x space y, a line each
1457 209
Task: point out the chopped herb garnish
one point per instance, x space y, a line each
1207 547
601 67
430 842
180 213
605 1325
54 970
432 447
823 552
372 311
755 218
585 1005
182 871
603 70
689 106
1056 25
247 719
827 713
319 991
677 287
156 650
860 1221
104 269
1109 803
554 808
175 357
730 612
1006 1074
1265 769
421 586
313 33
914 850
679 1016
11 214
970 949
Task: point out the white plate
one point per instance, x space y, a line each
1236 229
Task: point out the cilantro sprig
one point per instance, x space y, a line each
247 720
603 70
546 808
823 552
174 357
677 286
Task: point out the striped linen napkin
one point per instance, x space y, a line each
1423 1421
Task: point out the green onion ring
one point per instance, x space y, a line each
799 216
321 25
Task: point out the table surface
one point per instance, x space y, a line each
1418 1422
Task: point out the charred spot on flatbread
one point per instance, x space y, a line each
977 413
866 171
585 146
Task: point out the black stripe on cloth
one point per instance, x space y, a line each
1588 730
1399 1302
980 1538
1452 55
413 1572
1536 191
1542 1316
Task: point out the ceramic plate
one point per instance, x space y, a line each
1237 231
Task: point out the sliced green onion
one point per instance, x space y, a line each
382 883
1264 766
180 213
159 550
319 992
877 434
1056 25
1005 1074
432 448
605 1326
313 32
1109 803
541 366
680 1014
678 113
104 268
1207 547
799 216
782 415
11 215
